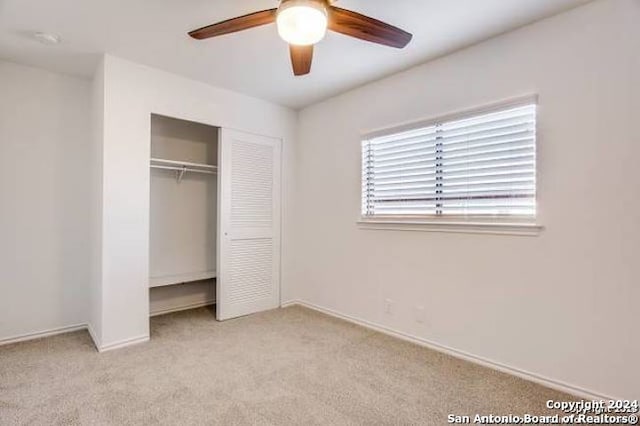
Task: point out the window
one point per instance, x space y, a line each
477 166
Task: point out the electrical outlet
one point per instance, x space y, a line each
388 306
420 314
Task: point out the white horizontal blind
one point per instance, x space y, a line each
484 165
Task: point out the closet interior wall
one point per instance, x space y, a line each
183 217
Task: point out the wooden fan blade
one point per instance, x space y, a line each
365 28
235 24
301 58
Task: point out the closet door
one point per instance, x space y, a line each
249 224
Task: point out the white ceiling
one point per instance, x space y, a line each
254 62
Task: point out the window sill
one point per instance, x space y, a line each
526 229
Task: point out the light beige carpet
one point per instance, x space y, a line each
285 367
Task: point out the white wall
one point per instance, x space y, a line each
563 305
44 212
133 93
95 178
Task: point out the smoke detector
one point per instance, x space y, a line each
47 38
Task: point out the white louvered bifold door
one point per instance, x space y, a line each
249 221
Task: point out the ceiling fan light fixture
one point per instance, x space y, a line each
302 22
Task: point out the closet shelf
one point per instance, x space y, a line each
181 278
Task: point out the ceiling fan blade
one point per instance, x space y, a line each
235 24
365 28
301 58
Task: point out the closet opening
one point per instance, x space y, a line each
183 215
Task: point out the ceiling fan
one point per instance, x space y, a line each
303 23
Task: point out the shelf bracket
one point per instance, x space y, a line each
180 174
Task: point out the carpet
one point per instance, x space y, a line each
290 366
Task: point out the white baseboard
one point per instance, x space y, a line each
532 377
96 341
41 334
123 343
182 308
69 329
115 345
94 337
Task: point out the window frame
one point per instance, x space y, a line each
526 225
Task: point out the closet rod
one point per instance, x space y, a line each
183 169
163 162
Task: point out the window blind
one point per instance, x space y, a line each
483 165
